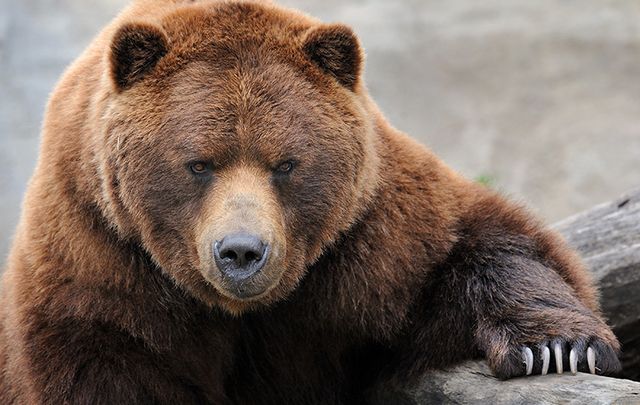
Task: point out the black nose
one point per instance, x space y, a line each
241 255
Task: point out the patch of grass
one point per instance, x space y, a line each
486 180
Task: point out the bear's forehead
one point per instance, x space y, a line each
232 25
234 35
255 106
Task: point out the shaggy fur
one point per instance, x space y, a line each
384 263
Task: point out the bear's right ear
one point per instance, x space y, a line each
335 49
135 50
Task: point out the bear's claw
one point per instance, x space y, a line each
591 359
545 354
546 357
573 361
557 352
527 356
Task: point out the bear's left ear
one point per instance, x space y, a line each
336 50
136 49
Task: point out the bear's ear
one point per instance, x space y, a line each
135 50
336 50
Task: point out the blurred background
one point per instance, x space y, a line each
540 99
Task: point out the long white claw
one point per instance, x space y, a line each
546 355
557 350
591 360
527 357
573 361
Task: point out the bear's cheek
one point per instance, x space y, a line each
318 205
162 205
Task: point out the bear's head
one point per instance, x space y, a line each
236 144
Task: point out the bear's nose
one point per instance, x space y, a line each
240 256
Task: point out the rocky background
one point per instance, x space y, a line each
539 98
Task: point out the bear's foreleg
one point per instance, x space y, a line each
520 313
529 320
494 297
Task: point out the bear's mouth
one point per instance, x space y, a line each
250 286
249 290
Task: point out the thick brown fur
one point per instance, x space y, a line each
384 264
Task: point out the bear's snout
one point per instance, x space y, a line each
242 244
239 257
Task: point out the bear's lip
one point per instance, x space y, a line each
241 293
238 293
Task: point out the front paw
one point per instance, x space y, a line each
587 354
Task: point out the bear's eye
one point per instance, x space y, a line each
285 167
199 168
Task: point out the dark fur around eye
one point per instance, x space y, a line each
285 167
200 168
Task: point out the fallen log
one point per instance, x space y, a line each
608 238
472 383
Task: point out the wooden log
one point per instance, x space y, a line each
472 383
608 239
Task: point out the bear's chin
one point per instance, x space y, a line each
236 307
236 304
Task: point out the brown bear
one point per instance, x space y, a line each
221 215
